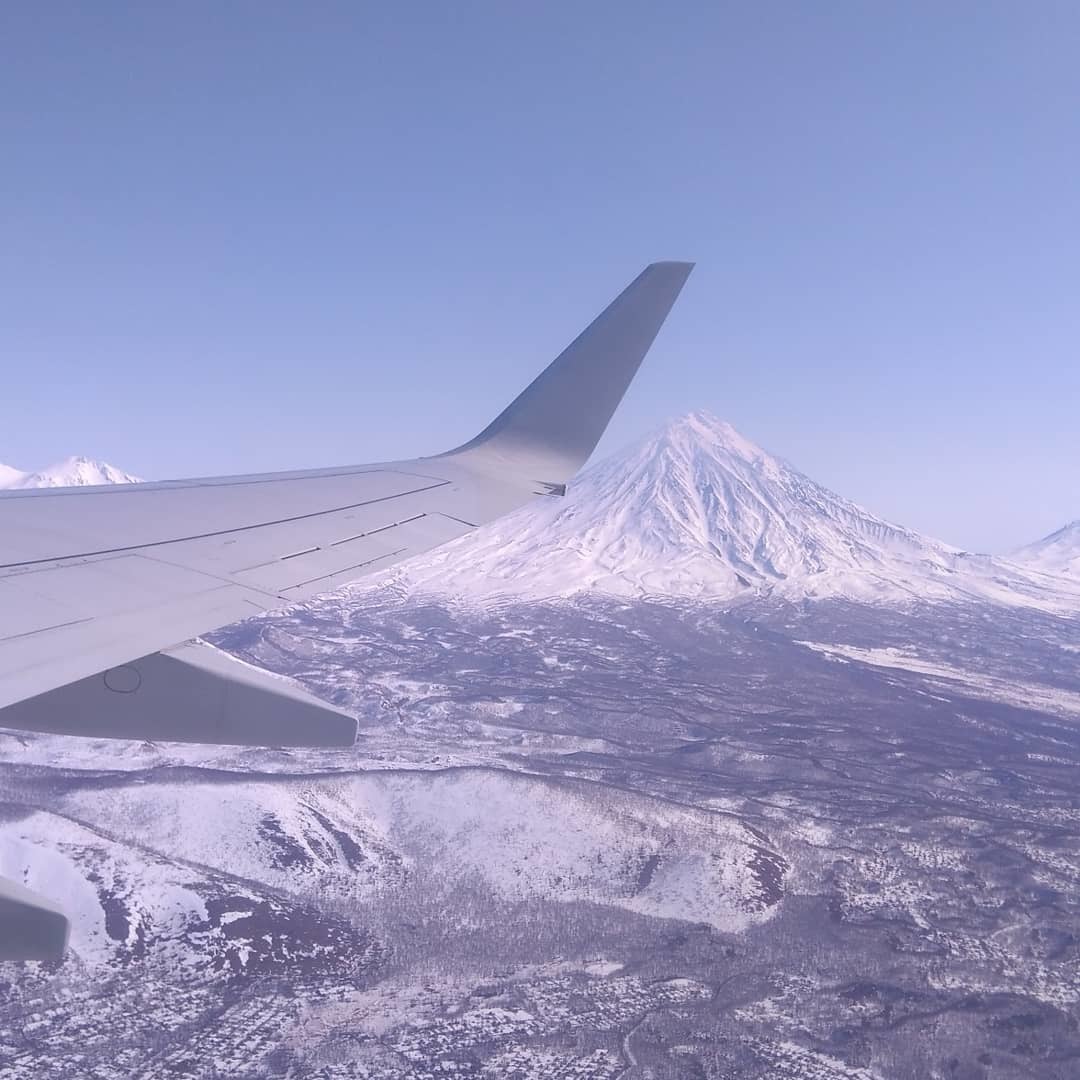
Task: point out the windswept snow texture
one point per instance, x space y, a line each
520 837
699 511
71 472
1058 553
589 838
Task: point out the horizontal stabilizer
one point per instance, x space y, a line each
31 927
193 693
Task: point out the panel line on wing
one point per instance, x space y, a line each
224 532
297 554
460 521
343 570
381 528
221 579
46 629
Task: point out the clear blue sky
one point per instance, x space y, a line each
247 236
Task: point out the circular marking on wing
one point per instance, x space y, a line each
123 680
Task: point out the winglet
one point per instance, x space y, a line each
548 432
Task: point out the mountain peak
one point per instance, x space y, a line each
75 471
701 429
1058 553
698 510
10 476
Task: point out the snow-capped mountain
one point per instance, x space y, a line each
1058 553
71 472
697 510
9 476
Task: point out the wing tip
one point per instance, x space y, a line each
677 269
681 264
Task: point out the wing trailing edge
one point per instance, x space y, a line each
193 693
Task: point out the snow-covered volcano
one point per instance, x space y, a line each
71 472
697 510
1058 553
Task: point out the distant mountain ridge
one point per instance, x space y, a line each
70 472
699 511
1058 553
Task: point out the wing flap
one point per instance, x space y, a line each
34 663
31 927
190 694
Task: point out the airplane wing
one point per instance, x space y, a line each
103 588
